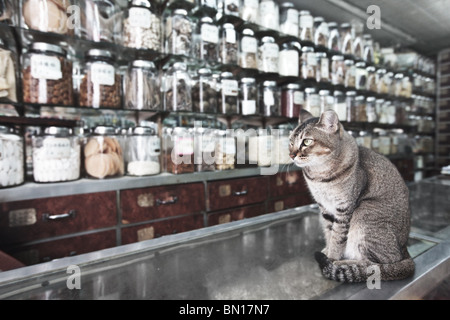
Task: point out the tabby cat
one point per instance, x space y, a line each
364 202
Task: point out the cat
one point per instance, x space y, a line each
364 202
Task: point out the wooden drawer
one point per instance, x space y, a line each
286 183
57 249
294 201
146 204
238 192
161 228
25 221
236 214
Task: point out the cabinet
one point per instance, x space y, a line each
443 112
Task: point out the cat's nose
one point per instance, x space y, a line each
292 155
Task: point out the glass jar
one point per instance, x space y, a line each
371 79
46 16
340 105
334 39
56 155
248 49
337 70
309 64
312 101
368 54
382 86
350 74
351 106
179 151
204 95
229 44
289 19
204 149
248 96
260 148
143 150
12 171
103 154
141 86
225 150
321 33
8 75
178 33
391 112
375 142
323 68
47 75
381 110
346 39
306 28
364 139
361 76
100 84
142 25
249 10
281 143
358 41
100 20
292 100
372 116
360 106
269 98
290 59
177 88
229 91
384 141
206 40
268 55
269 14
326 101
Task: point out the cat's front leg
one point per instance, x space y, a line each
327 225
338 238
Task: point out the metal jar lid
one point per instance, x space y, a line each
145 64
248 32
58 131
291 86
182 12
269 83
105 131
143 131
43 46
140 3
248 80
99 53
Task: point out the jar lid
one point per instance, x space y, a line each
206 19
43 46
371 99
180 66
248 32
338 58
5 129
104 130
310 90
248 80
292 86
351 93
308 49
268 39
361 65
293 43
321 54
226 74
269 83
346 25
305 13
338 93
324 92
140 3
332 25
349 62
287 5
228 26
204 71
318 19
180 11
57 131
143 64
371 69
143 131
99 53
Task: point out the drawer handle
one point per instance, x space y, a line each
167 202
241 193
48 217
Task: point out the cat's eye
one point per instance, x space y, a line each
307 142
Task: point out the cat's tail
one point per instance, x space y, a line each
361 270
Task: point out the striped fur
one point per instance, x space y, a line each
364 202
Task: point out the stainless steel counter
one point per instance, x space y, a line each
267 257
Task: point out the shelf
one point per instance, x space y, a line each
25 121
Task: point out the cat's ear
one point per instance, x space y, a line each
329 121
304 116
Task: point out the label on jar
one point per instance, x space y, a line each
248 107
230 36
210 33
341 110
230 87
139 18
311 59
270 50
249 45
324 68
292 16
306 21
45 67
57 148
184 145
288 63
269 99
102 74
251 3
299 98
154 147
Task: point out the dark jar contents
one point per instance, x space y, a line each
206 40
177 88
292 100
204 95
229 91
229 44
179 151
47 75
100 84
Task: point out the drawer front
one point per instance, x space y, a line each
287 183
294 201
161 228
236 214
234 193
146 204
24 221
57 249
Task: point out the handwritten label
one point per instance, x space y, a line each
45 67
102 74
